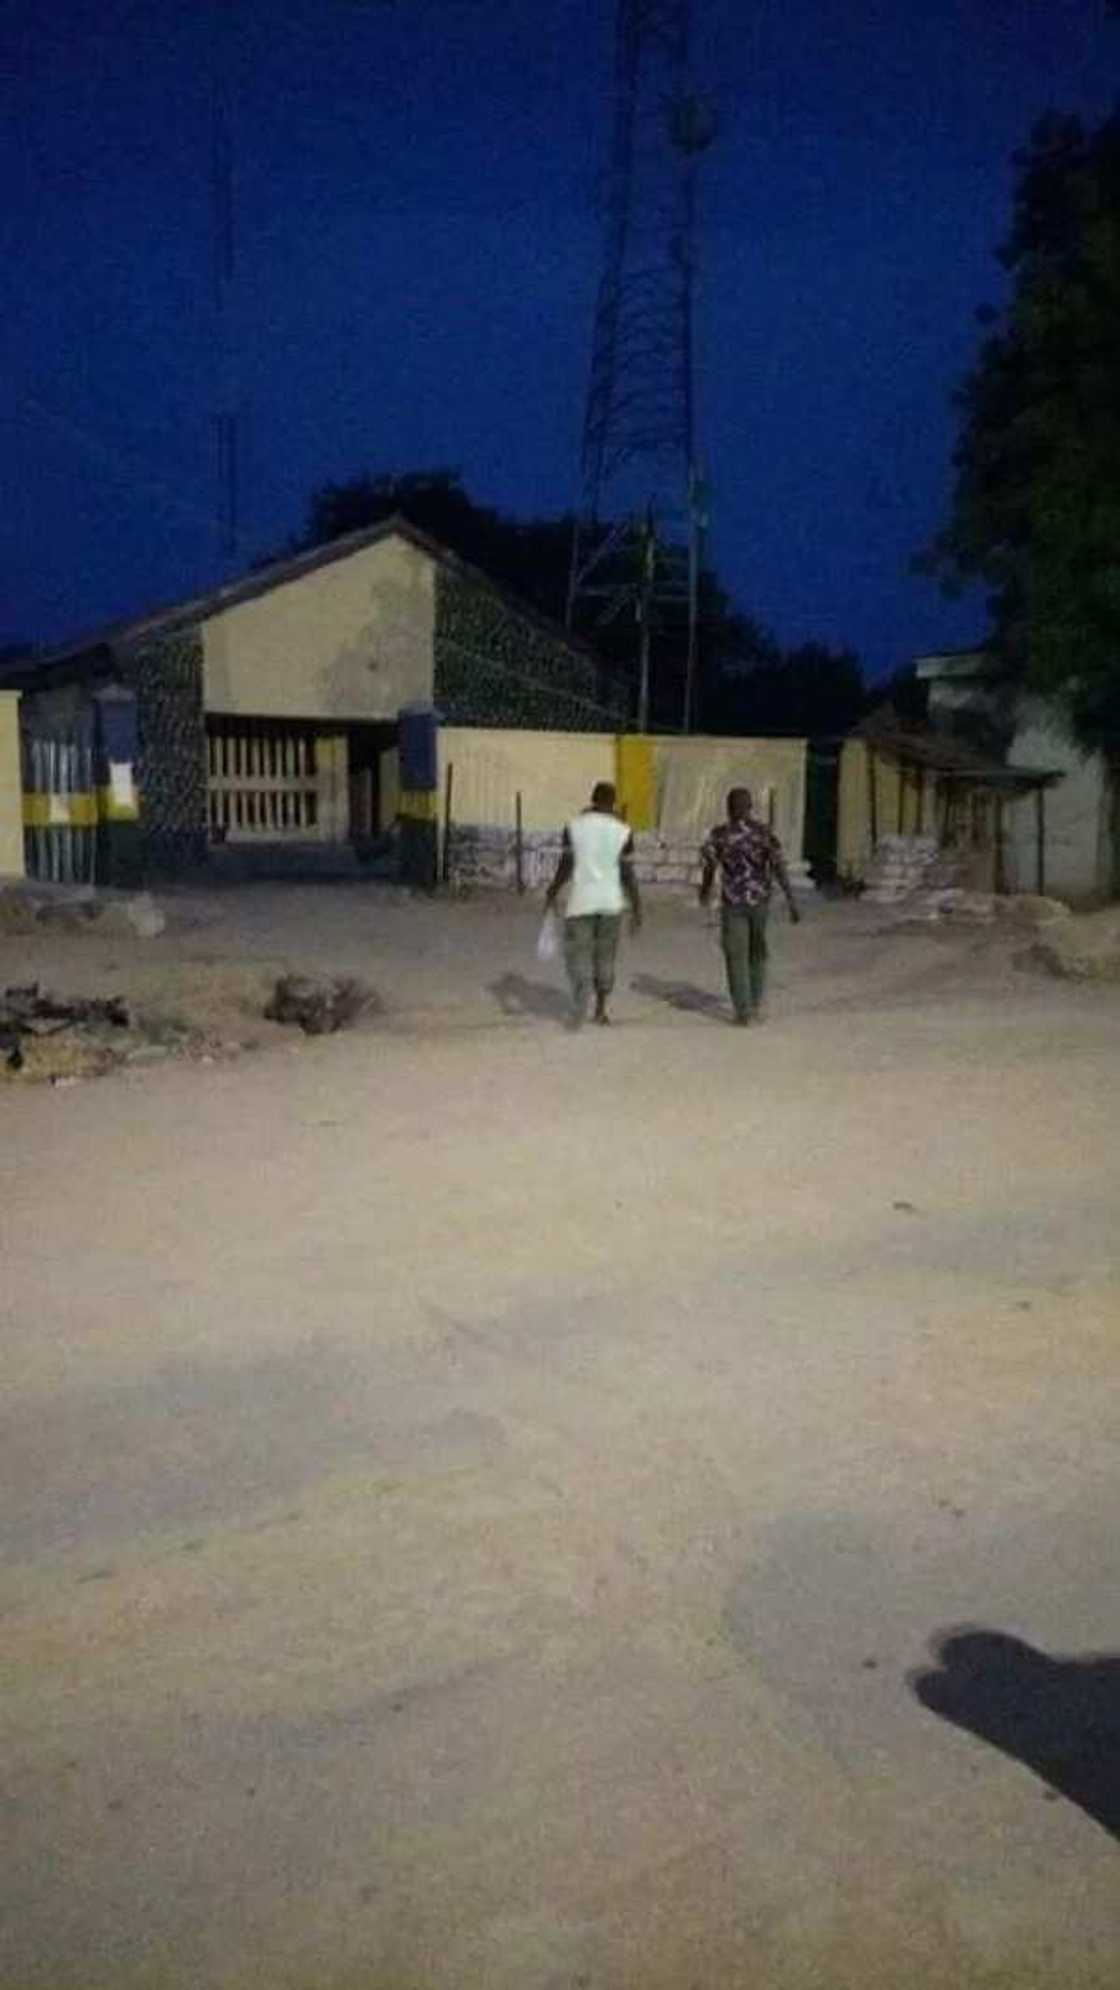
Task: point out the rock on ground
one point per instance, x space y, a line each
318 1003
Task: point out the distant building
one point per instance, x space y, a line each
970 700
265 714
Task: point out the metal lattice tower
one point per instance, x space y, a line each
637 542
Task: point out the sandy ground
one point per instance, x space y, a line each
475 1499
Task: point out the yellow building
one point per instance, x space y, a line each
11 793
266 711
897 783
261 724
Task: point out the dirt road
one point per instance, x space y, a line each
475 1500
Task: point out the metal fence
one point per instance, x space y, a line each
60 808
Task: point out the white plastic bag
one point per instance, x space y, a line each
548 939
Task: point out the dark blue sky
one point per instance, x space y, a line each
417 255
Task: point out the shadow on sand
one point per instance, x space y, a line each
680 995
1058 1716
516 996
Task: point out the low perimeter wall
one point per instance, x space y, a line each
502 792
481 856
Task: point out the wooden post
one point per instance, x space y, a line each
872 798
1040 840
770 808
1000 881
921 822
448 787
519 844
903 773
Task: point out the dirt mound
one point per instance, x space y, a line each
1081 949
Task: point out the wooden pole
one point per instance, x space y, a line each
519 844
448 787
903 777
1000 870
645 610
1040 840
921 822
872 798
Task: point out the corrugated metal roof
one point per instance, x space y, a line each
951 758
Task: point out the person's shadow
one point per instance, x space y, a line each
516 996
679 995
1059 1716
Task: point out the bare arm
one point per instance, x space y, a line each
709 861
564 871
782 875
630 883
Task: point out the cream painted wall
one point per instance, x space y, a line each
350 640
554 772
11 788
1077 855
693 776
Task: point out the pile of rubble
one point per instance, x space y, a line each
29 1013
59 1039
320 1004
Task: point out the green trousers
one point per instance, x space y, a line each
590 951
743 936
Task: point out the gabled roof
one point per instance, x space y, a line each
123 635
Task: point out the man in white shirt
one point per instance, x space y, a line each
597 862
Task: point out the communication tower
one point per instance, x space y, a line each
638 539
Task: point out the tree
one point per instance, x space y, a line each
1035 511
902 693
531 556
811 692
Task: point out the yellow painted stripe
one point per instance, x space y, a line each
59 811
111 810
419 804
634 771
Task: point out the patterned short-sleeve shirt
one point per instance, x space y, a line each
747 855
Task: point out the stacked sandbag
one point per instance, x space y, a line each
900 867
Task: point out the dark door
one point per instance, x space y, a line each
822 793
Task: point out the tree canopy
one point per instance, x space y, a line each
810 692
1035 511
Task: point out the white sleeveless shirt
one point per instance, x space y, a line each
597 842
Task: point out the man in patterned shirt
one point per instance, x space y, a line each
748 857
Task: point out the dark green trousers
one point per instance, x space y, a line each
743 935
590 952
